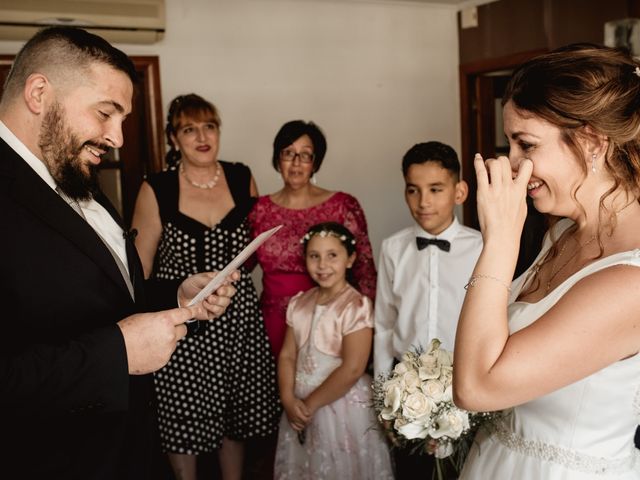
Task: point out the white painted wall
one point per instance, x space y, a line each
376 76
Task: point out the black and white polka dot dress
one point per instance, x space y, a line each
220 382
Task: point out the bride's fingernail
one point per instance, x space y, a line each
478 156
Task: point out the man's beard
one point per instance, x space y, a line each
61 154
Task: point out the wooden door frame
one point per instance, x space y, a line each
471 124
150 88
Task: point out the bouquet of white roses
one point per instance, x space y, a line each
415 401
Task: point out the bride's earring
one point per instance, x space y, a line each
593 163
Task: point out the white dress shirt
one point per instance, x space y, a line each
95 214
420 292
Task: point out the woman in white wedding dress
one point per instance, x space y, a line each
557 350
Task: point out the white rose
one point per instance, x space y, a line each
417 406
412 430
392 382
434 345
450 423
429 369
446 375
411 381
445 358
392 400
434 390
427 360
401 368
447 396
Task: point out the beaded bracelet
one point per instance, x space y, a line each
474 278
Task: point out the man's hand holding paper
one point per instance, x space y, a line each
211 292
213 305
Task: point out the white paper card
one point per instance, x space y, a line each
233 265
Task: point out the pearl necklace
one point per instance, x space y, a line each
571 257
207 186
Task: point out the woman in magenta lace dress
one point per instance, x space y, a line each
298 151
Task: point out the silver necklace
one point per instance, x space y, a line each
207 186
555 273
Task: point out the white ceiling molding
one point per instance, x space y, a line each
457 4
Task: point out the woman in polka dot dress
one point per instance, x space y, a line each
219 389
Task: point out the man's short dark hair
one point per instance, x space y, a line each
59 52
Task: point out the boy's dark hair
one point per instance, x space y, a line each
293 130
62 52
432 152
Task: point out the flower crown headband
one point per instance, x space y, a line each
326 233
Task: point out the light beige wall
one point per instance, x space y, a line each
376 76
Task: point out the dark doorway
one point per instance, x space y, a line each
482 85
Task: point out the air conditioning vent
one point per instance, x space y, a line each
125 21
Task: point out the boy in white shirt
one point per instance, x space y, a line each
423 268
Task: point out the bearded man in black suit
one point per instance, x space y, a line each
75 352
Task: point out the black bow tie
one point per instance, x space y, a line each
422 242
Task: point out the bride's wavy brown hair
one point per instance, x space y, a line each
586 89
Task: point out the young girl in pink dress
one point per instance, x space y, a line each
329 429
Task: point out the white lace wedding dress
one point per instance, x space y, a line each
583 431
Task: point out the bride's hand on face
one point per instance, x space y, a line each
501 197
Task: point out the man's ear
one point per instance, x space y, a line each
35 92
462 191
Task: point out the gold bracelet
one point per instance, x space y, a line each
474 279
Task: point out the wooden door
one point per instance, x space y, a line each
122 171
482 85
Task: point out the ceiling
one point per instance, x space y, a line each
458 4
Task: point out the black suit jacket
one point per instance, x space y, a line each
68 407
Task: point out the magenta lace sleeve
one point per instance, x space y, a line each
364 269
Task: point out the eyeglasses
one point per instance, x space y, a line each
290 156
